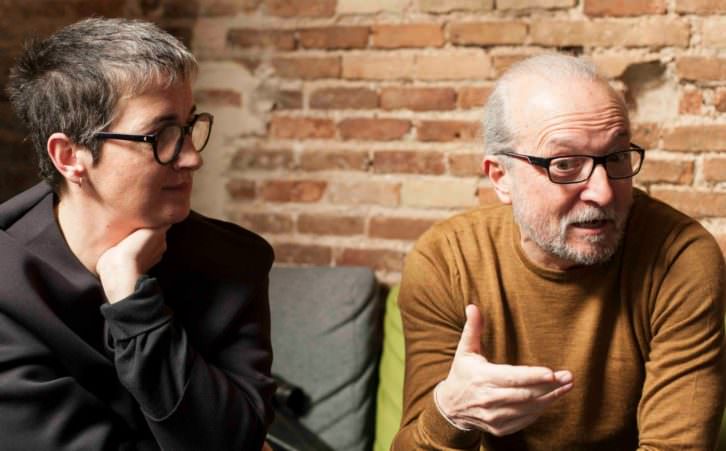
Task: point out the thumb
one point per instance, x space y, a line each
470 340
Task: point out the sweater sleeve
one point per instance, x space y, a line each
41 407
683 392
192 401
432 320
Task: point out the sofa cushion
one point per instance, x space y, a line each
390 386
326 340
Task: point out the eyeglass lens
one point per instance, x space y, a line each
170 139
578 168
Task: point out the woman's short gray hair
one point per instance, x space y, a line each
72 81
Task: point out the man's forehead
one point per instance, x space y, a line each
536 104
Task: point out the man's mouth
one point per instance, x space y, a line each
593 224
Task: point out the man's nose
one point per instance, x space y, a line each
598 188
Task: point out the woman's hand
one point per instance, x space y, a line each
121 265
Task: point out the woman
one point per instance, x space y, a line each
126 322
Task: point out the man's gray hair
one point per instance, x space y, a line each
72 81
499 133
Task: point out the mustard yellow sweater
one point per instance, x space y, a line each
642 334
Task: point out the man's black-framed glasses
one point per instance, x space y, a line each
169 140
566 169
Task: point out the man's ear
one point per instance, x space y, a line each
500 177
65 157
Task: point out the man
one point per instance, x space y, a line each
580 313
126 322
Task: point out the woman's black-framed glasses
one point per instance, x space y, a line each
567 169
169 140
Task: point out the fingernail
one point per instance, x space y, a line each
563 377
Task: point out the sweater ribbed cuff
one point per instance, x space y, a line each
441 430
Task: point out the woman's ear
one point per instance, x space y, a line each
500 177
64 154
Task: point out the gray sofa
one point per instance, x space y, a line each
326 339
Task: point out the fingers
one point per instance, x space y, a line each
470 340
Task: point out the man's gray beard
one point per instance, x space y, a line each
555 242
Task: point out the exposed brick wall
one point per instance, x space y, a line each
344 128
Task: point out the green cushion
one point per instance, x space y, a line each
390 385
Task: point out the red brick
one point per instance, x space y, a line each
334 160
530 4
410 35
218 97
262 159
287 100
465 164
453 65
438 192
293 190
698 204
695 138
657 32
473 97
373 129
334 37
500 32
418 162
440 7
486 195
701 68
300 8
719 100
418 99
379 259
301 128
714 169
248 37
645 134
330 224
441 131
398 228
303 254
690 102
379 66
266 222
502 62
344 98
666 171
701 6
228 7
624 7
241 189
365 192
307 68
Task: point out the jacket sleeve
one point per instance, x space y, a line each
41 407
432 321
217 401
683 393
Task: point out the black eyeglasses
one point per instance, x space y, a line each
579 168
168 142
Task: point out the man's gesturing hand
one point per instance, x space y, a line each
121 265
499 399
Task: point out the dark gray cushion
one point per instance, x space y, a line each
326 339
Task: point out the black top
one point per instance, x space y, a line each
181 364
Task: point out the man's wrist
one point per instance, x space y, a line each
442 413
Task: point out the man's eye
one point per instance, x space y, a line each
566 164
